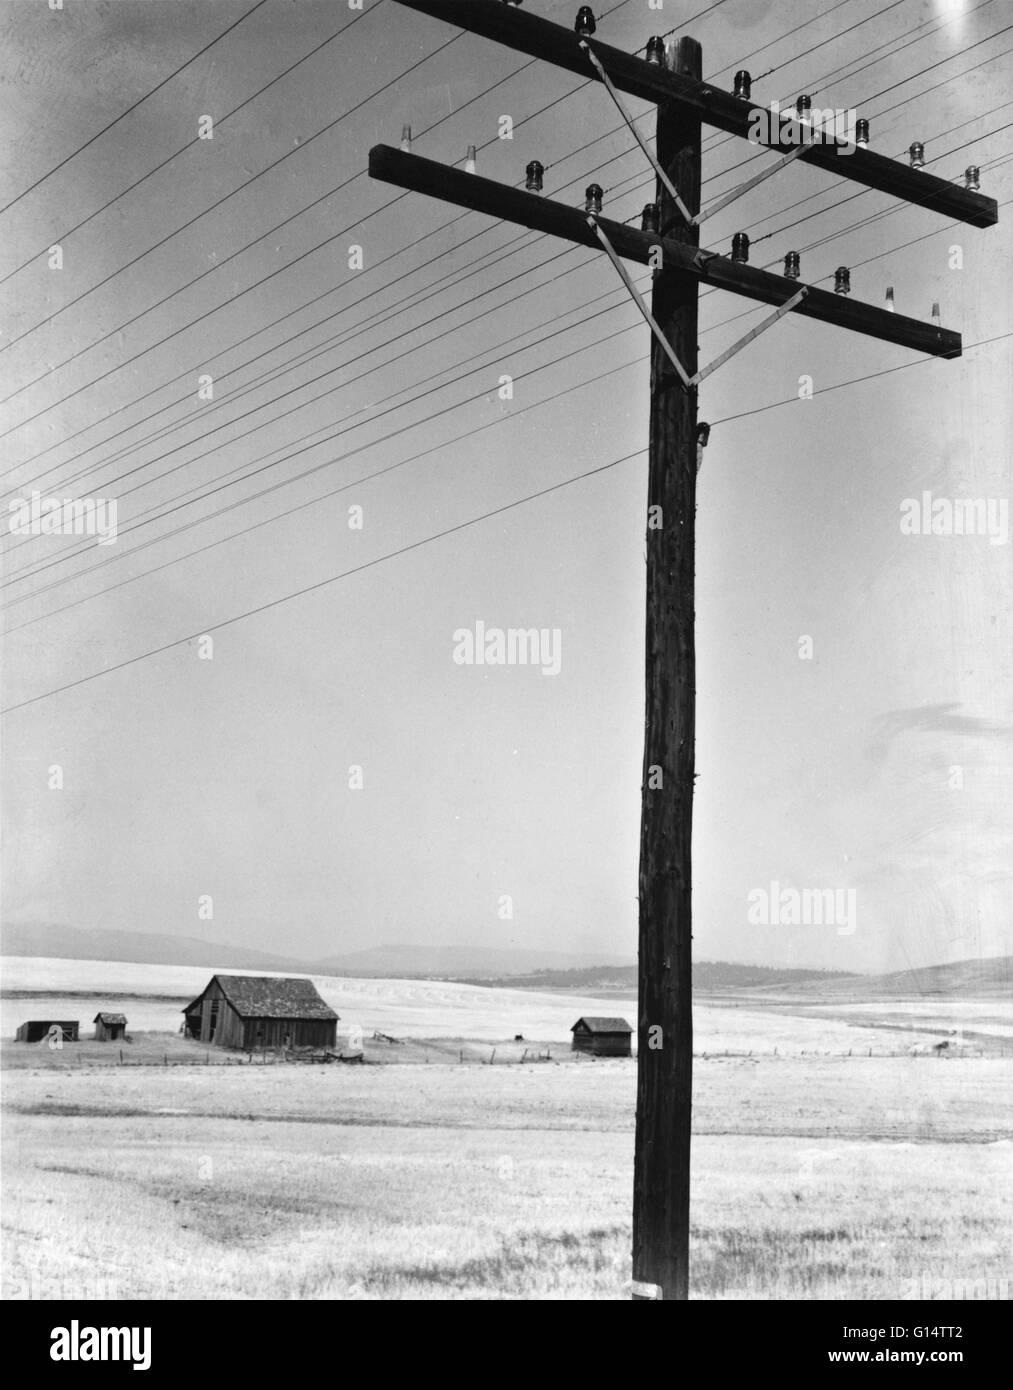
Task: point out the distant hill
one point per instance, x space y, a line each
508 967
385 961
708 976
70 943
989 978
473 963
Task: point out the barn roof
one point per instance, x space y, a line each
110 1018
268 996
602 1025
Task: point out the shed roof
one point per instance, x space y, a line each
270 996
602 1025
110 1018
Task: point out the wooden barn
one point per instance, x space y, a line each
602 1037
255 1011
37 1029
109 1027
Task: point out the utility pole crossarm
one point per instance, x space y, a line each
570 223
558 45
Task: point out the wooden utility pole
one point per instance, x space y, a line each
684 101
665 1015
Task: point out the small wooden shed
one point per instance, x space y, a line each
602 1037
257 1011
109 1027
37 1029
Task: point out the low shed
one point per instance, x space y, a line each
36 1029
254 1011
602 1037
109 1027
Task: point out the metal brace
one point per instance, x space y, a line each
745 187
636 133
687 380
785 308
693 221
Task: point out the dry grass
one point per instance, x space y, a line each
448 1182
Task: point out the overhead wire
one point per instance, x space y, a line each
390 203
591 142
331 579
225 260
133 107
29 572
62 237
268 403
324 583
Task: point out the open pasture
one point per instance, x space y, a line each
819 1171
815 1178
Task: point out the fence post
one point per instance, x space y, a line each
493 1057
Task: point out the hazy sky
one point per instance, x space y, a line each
881 765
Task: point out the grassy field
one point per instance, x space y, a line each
817 1176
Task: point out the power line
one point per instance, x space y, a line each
839 35
854 381
257 407
891 52
841 201
280 270
277 347
345 487
29 571
219 122
389 204
225 261
485 516
499 255
324 583
301 506
123 115
306 448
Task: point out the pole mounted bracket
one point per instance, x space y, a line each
745 187
691 382
652 158
692 220
768 322
651 321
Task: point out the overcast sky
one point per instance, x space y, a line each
881 765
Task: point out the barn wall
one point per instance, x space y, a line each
603 1044
228 1031
289 1032
230 1027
